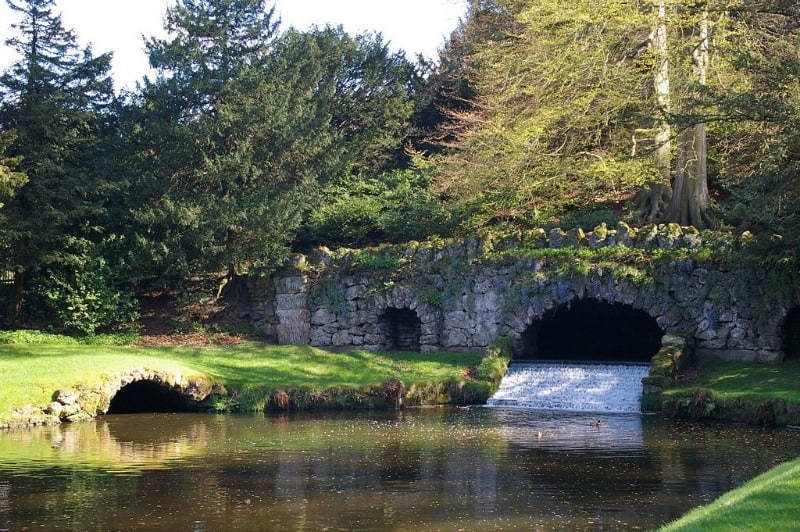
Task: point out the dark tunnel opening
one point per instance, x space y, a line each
149 397
791 336
593 330
403 329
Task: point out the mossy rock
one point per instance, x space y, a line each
534 239
665 362
659 381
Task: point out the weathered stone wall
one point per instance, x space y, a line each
87 402
468 294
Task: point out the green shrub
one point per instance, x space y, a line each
381 259
32 337
247 399
396 206
121 338
492 369
588 219
84 299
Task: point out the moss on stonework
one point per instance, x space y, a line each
666 363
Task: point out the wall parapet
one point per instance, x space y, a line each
463 295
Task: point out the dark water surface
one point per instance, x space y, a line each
422 469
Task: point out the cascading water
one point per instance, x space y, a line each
583 387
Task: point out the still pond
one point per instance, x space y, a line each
420 469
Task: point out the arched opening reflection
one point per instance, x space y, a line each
147 396
592 330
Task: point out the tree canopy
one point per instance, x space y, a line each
251 141
582 103
54 99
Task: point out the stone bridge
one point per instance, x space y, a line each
609 294
136 390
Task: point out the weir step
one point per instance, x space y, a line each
573 386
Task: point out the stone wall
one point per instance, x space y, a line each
462 296
84 403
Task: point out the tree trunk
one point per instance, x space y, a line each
233 290
652 201
690 198
15 310
663 150
690 191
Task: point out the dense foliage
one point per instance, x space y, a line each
55 100
251 141
579 104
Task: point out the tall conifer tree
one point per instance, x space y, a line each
54 97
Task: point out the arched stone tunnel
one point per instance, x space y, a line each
589 329
146 396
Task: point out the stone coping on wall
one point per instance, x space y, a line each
722 291
648 237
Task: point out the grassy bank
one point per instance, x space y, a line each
767 502
251 373
762 394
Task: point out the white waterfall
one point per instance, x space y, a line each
583 387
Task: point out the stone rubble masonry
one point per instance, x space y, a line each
78 405
466 298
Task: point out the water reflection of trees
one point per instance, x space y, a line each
123 445
437 469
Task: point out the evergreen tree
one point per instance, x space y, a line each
229 148
10 180
371 94
183 141
54 97
10 177
229 140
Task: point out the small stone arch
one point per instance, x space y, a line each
146 396
589 329
145 390
791 335
402 329
153 391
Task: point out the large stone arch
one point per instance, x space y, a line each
590 329
609 295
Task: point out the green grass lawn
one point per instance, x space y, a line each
741 391
767 502
30 373
738 379
756 393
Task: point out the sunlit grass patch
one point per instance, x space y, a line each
754 392
767 502
32 372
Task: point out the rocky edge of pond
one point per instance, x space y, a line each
203 394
